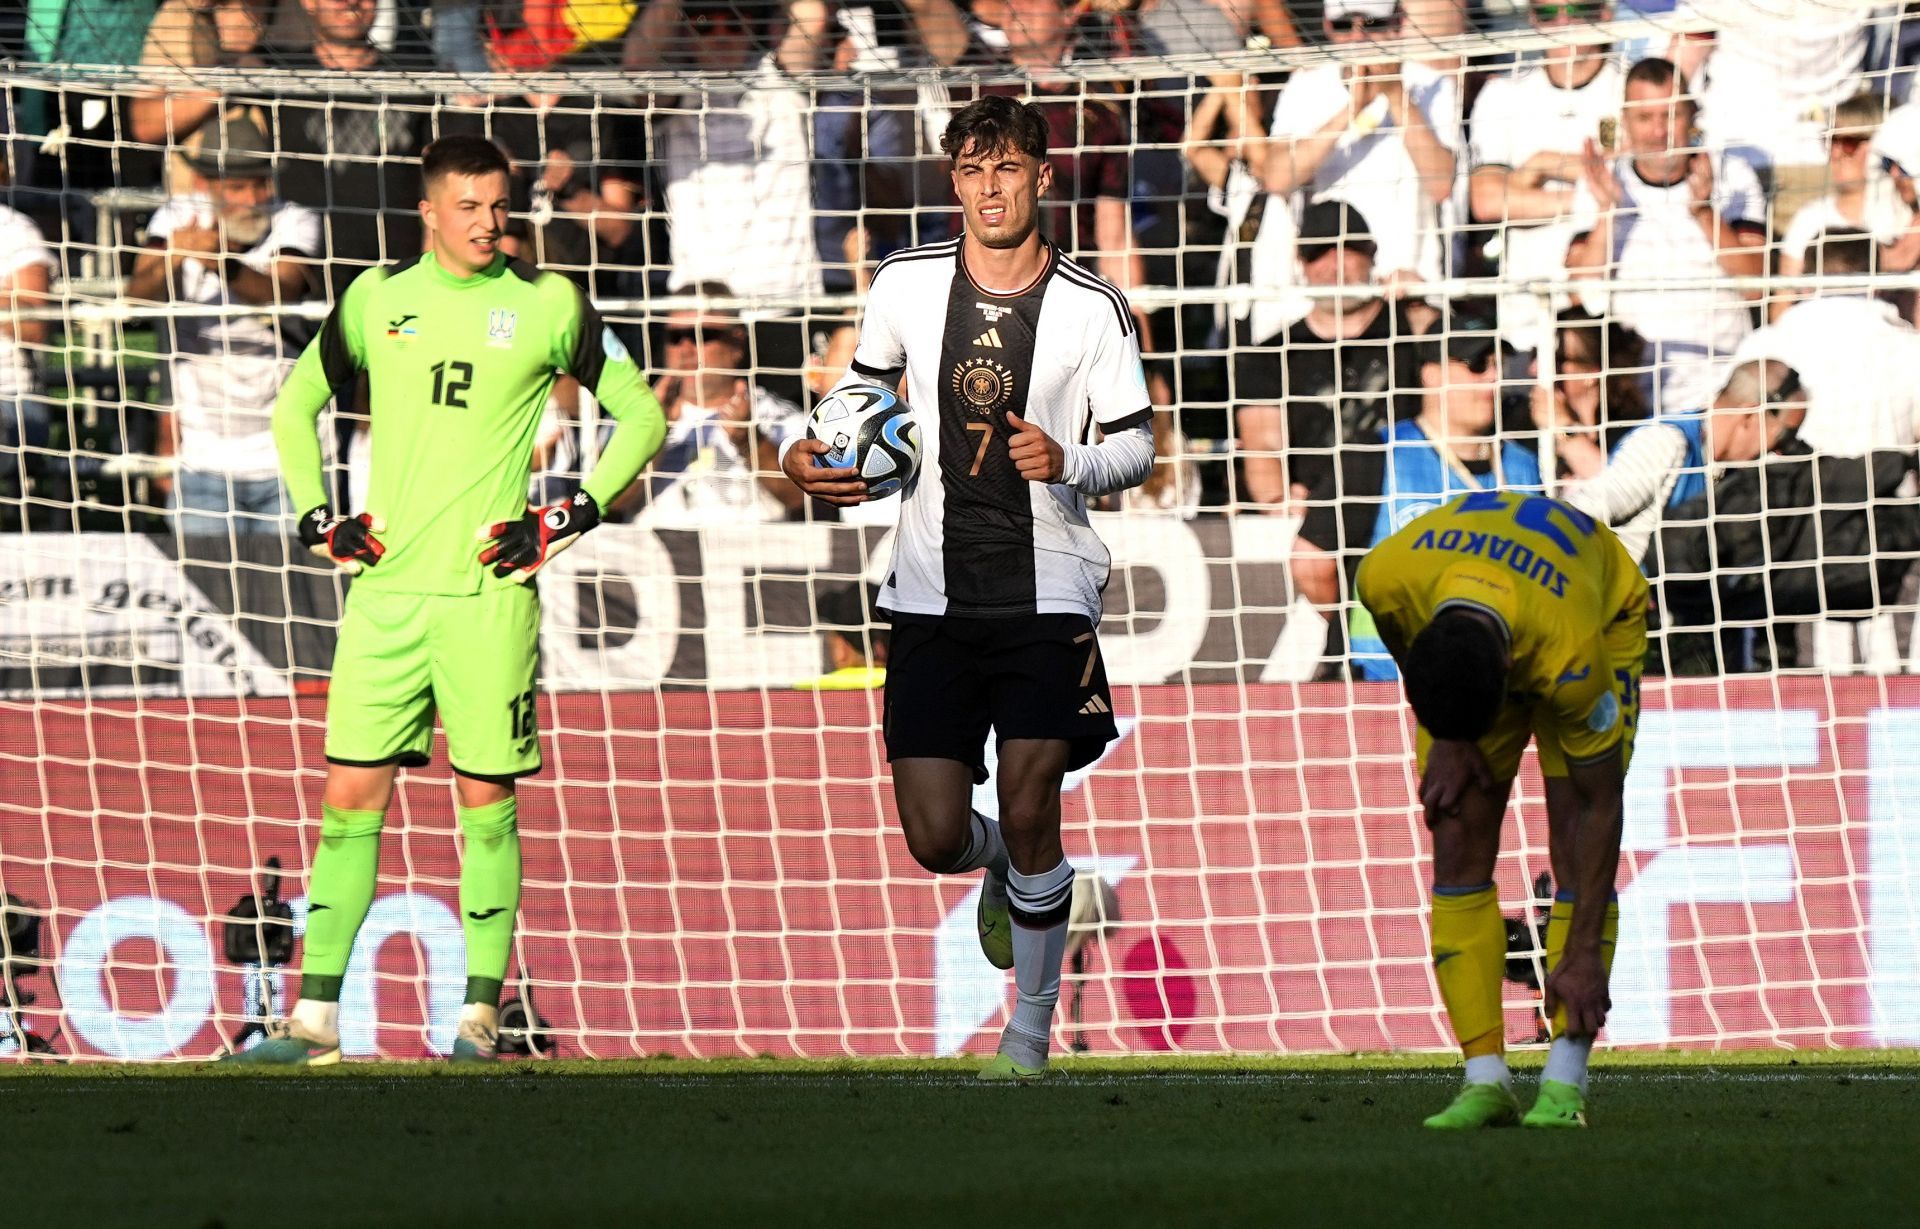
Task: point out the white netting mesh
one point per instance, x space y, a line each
711 865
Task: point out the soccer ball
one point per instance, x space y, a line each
868 429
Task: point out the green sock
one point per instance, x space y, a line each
489 894
339 893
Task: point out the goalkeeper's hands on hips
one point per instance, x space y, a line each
516 549
347 542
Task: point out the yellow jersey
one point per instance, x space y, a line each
1570 597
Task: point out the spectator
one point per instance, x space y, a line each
25 272
1779 544
1860 361
1671 212
1667 463
206 33
1768 82
354 160
1860 197
1331 377
1448 446
229 243
194 34
86 129
1741 545
1597 394
1200 27
1226 145
865 142
1380 137
1530 129
721 459
735 160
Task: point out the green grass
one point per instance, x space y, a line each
1802 1139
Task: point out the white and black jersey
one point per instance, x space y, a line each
976 539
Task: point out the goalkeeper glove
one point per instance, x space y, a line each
347 542
517 549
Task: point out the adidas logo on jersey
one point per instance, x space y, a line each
989 340
1094 707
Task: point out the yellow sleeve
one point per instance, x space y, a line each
1581 698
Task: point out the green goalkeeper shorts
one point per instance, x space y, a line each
402 656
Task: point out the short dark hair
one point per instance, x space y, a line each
461 155
1842 249
996 122
1456 676
1653 71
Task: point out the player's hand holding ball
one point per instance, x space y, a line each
517 549
862 443
804 468
1036 455
347 542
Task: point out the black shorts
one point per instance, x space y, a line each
1030 676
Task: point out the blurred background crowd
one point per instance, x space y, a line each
1653 274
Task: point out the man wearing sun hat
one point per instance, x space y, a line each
230 242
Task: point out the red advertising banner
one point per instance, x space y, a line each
719 874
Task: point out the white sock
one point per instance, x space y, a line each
317 1020
1489 1069
1040 904
1567 1061
984 848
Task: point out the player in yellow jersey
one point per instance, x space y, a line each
1511 617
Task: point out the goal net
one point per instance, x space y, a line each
712 863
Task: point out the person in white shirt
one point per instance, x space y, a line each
1380 137
721 459
1768 80
1863 195
1859 360
229 243
1529 133
739 190
1670 211
26 268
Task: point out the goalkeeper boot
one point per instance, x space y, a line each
1559 1105
1478 1105
285 1046
992 919
478 1040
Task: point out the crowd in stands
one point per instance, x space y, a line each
1676 190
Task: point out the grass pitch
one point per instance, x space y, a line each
1808 1139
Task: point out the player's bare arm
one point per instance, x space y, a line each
1579 983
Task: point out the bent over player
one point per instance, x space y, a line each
460 346
1016 355
1514 617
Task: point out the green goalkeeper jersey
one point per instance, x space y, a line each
458 373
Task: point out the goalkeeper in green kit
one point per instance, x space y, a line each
460 347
